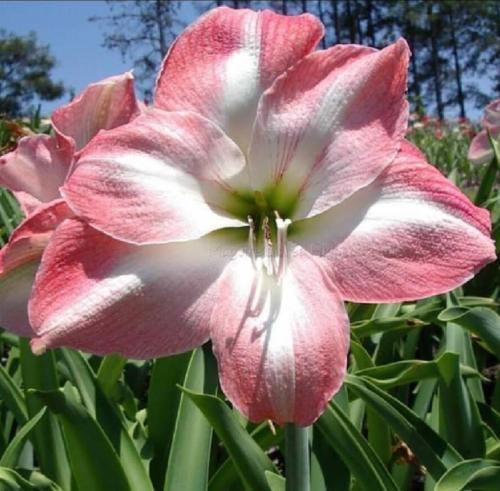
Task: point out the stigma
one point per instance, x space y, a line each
274 259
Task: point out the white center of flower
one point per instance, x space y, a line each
273 261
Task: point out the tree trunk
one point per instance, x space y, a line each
159 24
284 7
321 14
335 21
371 30
351 22
458 68
435 61
410 35
304 6
357 18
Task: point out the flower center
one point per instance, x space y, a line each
273 259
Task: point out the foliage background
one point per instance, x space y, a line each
420 408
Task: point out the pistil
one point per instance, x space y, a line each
251 240
268 248
282 228
274 261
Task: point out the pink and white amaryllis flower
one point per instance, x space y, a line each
36 170
269 184
480 150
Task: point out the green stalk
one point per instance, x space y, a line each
297 458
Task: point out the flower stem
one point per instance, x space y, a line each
297 458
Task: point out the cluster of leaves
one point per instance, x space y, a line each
420 407
10 132
25 73
445 144
453 41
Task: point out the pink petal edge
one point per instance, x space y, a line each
104 296
38 167
281 349
102 105
163 177
331 124
410 234
220 65
19 261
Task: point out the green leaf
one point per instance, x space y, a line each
110 371
379 435
190 449
335 474
82 376
39 373
13 451
491 417
477 474
481 321
434 452
109 418
452 313
354 450
495 143
361 356
11 480
275 481
94 463
471 301
374 326
408 371
12 397
250 461
489 178
458 340
459 415
226 476
163 404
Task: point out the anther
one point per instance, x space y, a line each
251 240
268 247
282 228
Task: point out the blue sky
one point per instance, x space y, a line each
76 42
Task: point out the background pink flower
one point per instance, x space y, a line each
36 170
480 150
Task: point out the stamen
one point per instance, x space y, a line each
282 227
251 240
274 262
268 248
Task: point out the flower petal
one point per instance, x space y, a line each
38 167
19 261
408 235
163 177
480 150
492 114
27 202
222 63
331 124
30 238
281 348
104 296
15 290
101 106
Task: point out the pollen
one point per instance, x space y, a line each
274 259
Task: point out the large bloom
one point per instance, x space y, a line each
36 170
480 150
269 184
